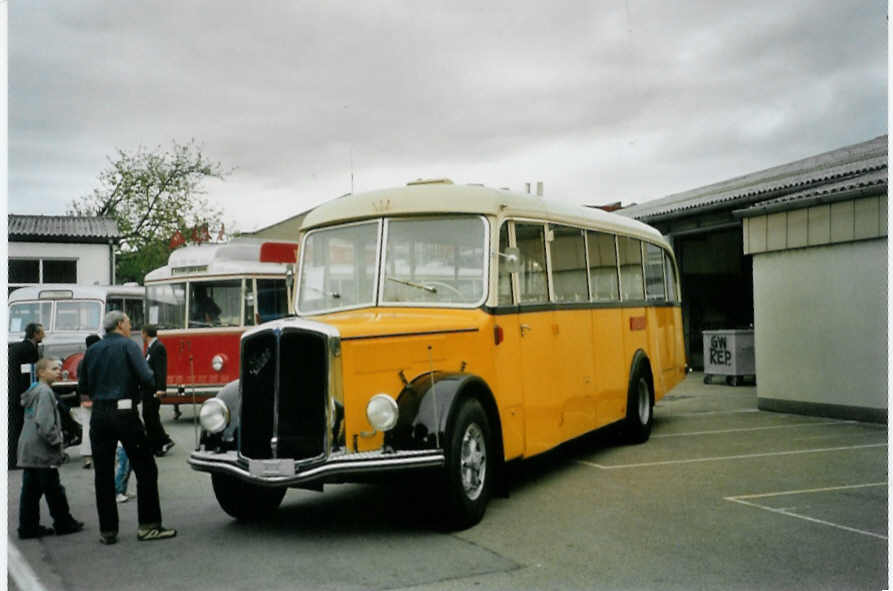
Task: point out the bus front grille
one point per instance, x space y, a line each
284 393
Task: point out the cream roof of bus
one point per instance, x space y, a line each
78 292
445 197
238 257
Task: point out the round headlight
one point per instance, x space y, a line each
217 362
382 412
214 415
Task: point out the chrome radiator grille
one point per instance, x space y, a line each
284 395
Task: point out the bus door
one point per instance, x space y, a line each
542 402
574 380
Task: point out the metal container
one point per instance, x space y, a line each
729 353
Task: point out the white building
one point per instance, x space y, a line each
820 298
61 249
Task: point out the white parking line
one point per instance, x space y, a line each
787 512
707 412
805 491
722 458
20 571
745 429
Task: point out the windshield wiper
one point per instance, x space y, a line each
427 288
332 294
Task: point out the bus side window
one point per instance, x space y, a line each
603 267
505 278
531 240
670 274
112 304
134 310
654 272
272 299
569 265
631 268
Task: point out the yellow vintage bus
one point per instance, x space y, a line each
446 327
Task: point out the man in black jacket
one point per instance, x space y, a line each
23 354
112 374
156 357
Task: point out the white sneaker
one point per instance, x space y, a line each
121 498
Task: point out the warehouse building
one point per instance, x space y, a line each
798 252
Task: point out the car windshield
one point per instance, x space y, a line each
427 261
21 315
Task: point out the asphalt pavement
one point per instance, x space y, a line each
723 496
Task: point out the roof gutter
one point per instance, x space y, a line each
736 200
847 194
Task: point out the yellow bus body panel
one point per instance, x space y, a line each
557 374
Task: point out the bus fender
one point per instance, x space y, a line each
424 425
641 363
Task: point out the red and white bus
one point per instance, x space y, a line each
204 299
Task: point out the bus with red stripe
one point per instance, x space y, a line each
205 298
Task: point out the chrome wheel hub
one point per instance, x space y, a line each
473 461
644 402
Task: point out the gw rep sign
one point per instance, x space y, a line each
719 351
728 353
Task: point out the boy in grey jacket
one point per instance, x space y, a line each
40 452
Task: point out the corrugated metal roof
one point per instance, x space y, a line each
802 175
828 192
59 227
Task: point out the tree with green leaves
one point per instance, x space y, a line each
152 195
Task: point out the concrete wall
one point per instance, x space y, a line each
93 260
820 322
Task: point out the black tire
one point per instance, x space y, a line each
639 408
245 501
470 467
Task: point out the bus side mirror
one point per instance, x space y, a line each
511 259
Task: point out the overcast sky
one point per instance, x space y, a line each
602 100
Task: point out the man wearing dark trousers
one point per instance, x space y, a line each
112 373
23 354
156 357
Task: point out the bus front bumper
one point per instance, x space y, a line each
338 467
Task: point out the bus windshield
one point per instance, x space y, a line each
166 305
21 315
215 303
73 315
427 261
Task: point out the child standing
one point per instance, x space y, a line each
40 452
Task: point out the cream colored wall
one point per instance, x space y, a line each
843 221
93 260
820 324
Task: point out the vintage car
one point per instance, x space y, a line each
445 329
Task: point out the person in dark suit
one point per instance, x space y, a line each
114 373
156 357
25 353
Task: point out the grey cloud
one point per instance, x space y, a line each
590 93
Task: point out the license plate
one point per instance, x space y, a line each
271 467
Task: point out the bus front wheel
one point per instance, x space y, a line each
245 501
469 466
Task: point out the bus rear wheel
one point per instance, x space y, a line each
245 501
639 408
